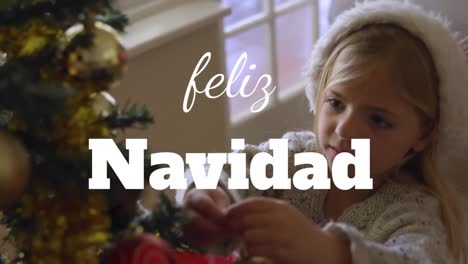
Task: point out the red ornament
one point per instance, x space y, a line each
146 249
149 249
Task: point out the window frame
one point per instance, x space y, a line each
268 16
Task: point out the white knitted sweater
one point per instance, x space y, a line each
397 224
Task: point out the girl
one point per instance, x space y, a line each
390 72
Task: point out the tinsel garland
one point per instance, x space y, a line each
53 114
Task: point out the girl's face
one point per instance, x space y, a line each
372 108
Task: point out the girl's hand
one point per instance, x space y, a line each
205 208
274 229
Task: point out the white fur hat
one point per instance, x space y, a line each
433 30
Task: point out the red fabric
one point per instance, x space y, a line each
146 249
149 249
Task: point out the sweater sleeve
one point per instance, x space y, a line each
412 236
297 142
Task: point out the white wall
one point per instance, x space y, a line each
158 79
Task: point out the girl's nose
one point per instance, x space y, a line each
349 127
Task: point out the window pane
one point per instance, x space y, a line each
255 43
324 12
281 2
294 45
241 10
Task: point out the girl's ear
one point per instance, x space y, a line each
425 137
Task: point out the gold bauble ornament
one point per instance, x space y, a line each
103 104
14 169
104 61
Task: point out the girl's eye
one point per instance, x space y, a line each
379 122
334 103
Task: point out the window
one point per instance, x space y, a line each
277 36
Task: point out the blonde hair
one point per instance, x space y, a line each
409 60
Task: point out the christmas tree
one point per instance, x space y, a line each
59 60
